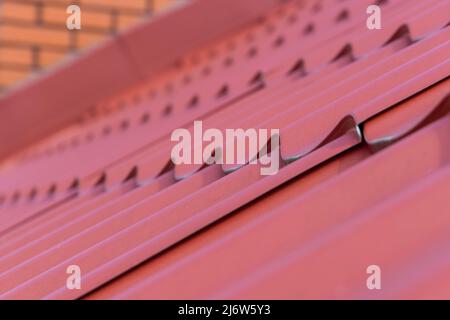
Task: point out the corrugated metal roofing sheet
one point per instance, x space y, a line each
363 119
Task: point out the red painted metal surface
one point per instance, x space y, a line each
364 124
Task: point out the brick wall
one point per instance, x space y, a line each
33 33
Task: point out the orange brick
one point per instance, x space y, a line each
129 4
86 39
8 77
48 57
58 15
162 4
95 19
55 15
17 11
55 32
35 35
127 20
21 56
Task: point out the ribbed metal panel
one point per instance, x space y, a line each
363 119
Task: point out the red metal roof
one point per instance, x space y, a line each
363 119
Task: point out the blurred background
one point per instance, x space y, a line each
33 35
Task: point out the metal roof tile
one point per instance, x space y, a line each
132 220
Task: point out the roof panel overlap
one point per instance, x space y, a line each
363 119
